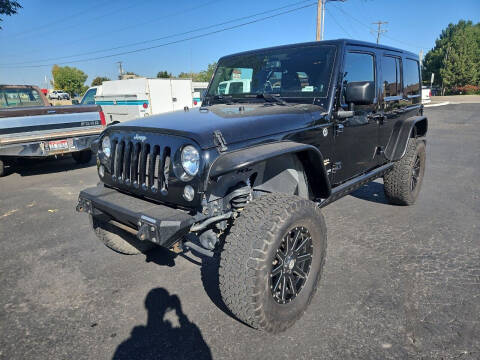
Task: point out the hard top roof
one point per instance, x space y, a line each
336 42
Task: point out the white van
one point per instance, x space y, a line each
123 100
235 86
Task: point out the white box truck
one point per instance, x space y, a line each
123 100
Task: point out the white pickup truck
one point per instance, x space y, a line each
30 127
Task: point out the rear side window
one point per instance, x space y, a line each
19 97
391 76
359 67
412 77
89 97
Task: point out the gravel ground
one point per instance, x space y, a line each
399 282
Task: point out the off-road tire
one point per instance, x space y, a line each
118 239
82 157
2 168
397 182
248 252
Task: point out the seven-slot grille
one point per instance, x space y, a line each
140 165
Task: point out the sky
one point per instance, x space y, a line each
74 33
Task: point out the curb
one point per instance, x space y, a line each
439 104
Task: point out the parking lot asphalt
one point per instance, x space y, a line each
399 282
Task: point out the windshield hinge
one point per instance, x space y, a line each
219 141
336 166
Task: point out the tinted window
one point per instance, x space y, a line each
412 77
359 67
391 76
290 72
20 97
89 97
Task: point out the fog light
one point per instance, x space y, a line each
188 193
101 171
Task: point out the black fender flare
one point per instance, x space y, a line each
310 156
402 131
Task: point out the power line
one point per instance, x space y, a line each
115 31
99 17
57 21
372 30
380 30
339 25
159 38
173 42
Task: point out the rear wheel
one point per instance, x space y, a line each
272 261
118 239
82 157
402 184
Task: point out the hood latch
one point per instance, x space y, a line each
219 141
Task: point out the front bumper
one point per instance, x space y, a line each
153 222
41 148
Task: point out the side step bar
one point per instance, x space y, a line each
354 184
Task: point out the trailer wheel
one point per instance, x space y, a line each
82 157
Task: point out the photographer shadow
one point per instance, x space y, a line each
168 334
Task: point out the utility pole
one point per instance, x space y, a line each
380 30
321 17
120 69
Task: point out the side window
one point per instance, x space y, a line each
89 97
359 67
391 76
412 78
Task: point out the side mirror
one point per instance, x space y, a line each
360 93
75 102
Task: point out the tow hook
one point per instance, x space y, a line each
84 205
147 229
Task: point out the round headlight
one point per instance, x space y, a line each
190 160
106 146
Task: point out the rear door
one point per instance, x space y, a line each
399 93
181 94
355 146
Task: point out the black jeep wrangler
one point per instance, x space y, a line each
282 132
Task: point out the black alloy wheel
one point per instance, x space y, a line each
415 173
291 265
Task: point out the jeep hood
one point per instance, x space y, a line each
252 121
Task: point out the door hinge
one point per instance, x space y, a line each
338 129
219 141
336 166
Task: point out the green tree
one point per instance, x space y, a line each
204 75
164 75
99 80
9 7
455 59
69 79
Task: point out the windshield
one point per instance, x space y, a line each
299 72
19 97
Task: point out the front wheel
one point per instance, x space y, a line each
402 184
82 157
272 261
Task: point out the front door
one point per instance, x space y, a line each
356 138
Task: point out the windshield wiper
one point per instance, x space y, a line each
218 99
273 98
